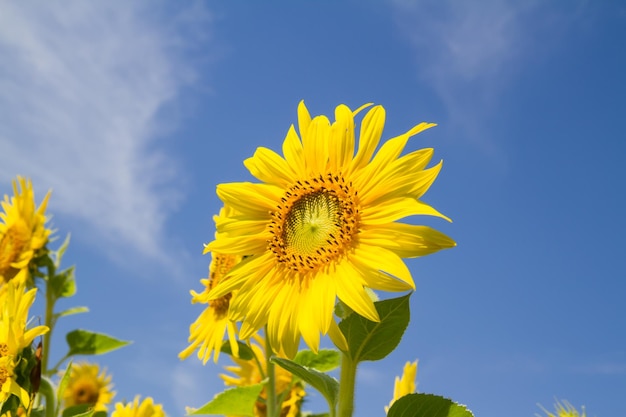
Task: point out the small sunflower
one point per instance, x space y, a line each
207 333
324 224
565 409
250 372
145 408
15 336
404 385
22 231
88 385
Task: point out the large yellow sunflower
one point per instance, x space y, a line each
88 385
324 224
207 333
22 231
253 371
15 337
145 408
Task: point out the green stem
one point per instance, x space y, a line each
47 337
271 383
346 386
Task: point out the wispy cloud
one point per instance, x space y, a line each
469 52
83 86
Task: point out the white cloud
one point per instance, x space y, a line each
83 86
470 51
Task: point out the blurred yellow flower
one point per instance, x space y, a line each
323 223
145 408
250 372
207 333
88 385
22 231
565 409
404 385
14 336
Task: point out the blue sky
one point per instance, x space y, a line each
133 114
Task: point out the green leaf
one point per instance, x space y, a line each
245 352
325 384
84 342
326 359
427 405
63 383
70 311
63 284
371 341
235 401
82 410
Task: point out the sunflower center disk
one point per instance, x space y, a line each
311 222
315 225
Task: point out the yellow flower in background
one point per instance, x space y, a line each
207 333
250 372
88 385
404 385
145 408
14 336
565 409
323 223
22 231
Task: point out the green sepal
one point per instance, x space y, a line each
325 384
427 405
245 352
235 401
85 342
326 359
371 341
58 254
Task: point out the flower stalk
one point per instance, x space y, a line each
271 379
346 386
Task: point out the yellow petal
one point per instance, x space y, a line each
256 200
371 131
304 119
406 240
377 258
395 209
294 153
269 167
341 145
350 290
316 145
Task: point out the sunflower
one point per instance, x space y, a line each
324 224
404 385
565 409
15 337
88 385
253 371
207 333
145 408
22 231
